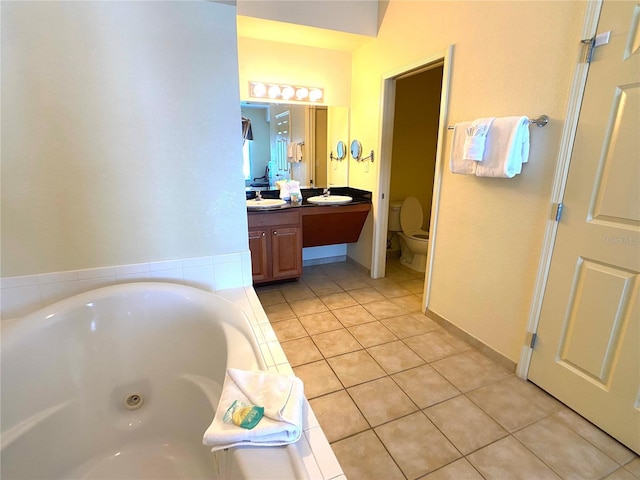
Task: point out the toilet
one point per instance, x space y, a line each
405 218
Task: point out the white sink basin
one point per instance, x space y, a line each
330 200
264 203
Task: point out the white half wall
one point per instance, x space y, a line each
121 139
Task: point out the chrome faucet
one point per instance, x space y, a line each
326 192
258 196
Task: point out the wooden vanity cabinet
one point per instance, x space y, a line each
259 255
275 242
330 225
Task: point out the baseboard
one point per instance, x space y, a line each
322 261
357 264
494 355
391 254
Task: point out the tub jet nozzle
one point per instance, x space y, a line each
134 401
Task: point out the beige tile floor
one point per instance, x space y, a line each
399 397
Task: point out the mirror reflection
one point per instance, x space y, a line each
356 150
341 150
294 142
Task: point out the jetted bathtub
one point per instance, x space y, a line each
121 383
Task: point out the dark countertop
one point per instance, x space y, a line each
359 197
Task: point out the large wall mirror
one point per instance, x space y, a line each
297 142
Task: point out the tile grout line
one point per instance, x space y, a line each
387 375
344 388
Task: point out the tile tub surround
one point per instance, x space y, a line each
315 451
25 294
399 396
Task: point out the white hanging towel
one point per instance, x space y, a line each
281 396
298 152
457 162
506 149
474 144
294 152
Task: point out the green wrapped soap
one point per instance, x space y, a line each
243 414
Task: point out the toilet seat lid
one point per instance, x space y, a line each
411 215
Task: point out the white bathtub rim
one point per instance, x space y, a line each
15 329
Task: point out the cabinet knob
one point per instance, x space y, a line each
275 233
263 234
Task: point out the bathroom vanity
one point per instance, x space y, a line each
275 242
278 234
330 225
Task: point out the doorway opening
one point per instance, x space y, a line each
413 126
413 158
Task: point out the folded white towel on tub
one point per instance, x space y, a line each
457 162
281 396
506 149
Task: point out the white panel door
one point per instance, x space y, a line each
587 352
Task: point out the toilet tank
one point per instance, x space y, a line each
394 216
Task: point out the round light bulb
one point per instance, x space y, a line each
302 93
288 92
259 90
274 91
315 94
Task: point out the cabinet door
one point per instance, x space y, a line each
286 251
259 255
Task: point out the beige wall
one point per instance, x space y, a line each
490 230
262 60
113 154
121 139
338 128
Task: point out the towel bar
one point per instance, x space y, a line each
541 121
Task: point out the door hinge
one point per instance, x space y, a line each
593 42
557 211
531 339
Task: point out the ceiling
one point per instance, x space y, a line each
274 31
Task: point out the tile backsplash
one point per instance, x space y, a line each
25 294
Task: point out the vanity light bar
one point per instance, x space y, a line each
277 91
